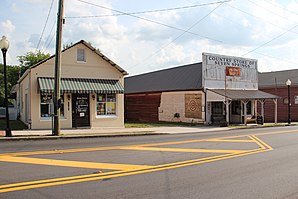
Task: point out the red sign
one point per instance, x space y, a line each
233 71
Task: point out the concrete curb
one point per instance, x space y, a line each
49 136
74 136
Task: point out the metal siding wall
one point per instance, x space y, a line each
142 107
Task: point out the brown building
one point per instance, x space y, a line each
148 95
275 83
221 89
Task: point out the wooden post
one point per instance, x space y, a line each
56 130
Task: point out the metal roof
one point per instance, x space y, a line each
278 78
79 85
187 77
244 94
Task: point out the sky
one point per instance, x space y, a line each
149 35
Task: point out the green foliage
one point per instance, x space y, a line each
67 45
12 73
14 125
30 59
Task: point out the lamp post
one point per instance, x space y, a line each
4 45
288 83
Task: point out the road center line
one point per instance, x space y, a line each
76 164
182 150
79 179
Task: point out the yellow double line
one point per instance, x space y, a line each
130 169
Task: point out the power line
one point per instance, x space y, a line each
277 58
278 36
149 11
273 24
284 8
264 8
48 42
40 38
152 21
178 36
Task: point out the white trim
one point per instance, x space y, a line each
106 116
50 118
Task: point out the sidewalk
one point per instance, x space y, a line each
106 132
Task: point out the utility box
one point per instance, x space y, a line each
260 120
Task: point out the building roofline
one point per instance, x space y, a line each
88 46
166 69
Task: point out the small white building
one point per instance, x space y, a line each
92 88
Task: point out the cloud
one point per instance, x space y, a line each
7 27
132 42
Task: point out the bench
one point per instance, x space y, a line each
251 119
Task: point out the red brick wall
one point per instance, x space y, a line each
282 108
142 107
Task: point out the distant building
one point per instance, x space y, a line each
275 83
198 93
91 90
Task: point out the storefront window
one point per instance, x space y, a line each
47 106
217 108
106 104
236 107
249 106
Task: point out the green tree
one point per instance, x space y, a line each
31 58
12 73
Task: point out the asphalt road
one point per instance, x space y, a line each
250 163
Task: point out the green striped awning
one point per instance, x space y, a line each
79 85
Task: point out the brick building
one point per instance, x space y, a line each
275 83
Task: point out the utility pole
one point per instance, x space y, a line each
57 100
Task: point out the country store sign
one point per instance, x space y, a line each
228 72
220 60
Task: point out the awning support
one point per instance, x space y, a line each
227 102
245 102
275 112
262 101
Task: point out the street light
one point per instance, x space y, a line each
288 83
4 44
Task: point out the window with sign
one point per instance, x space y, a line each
47 105
106 104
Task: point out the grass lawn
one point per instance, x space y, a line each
14 125
155 124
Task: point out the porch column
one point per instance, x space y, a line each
275 110
227 103
245 111
262 109
255 108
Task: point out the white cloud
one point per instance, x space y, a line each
131 42
7 27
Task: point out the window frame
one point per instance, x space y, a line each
51 106
81 53
106 107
